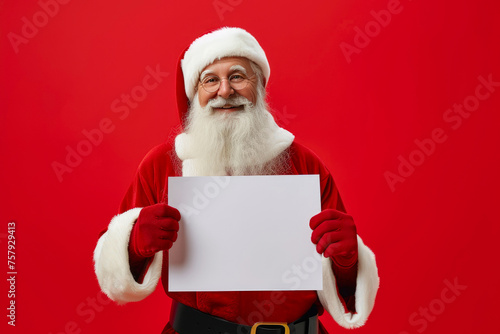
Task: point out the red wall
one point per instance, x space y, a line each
370 98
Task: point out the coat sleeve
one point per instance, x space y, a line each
111 257
367 280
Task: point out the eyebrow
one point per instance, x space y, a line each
205 73
240 68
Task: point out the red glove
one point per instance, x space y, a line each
155 230
334 235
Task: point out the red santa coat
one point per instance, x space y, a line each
150 186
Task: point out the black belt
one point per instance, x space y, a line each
187 320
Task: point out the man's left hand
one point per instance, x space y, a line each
334 234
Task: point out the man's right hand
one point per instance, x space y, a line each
155 230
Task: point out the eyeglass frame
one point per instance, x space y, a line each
246 79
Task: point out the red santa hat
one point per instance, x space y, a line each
224 42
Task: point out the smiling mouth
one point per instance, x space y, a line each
229 108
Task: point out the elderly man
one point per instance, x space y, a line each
228 130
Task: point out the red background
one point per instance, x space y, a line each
437 226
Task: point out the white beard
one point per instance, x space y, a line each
247 142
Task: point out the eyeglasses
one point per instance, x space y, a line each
212 83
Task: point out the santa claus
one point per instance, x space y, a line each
228 130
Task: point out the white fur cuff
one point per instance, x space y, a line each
112 262
367 284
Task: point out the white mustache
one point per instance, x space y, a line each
220 102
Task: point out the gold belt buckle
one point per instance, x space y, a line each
283 324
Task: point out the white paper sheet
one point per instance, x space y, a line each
242 233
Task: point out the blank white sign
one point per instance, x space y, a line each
242 233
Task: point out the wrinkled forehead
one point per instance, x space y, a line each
227 65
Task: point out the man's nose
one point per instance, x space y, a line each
225 89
